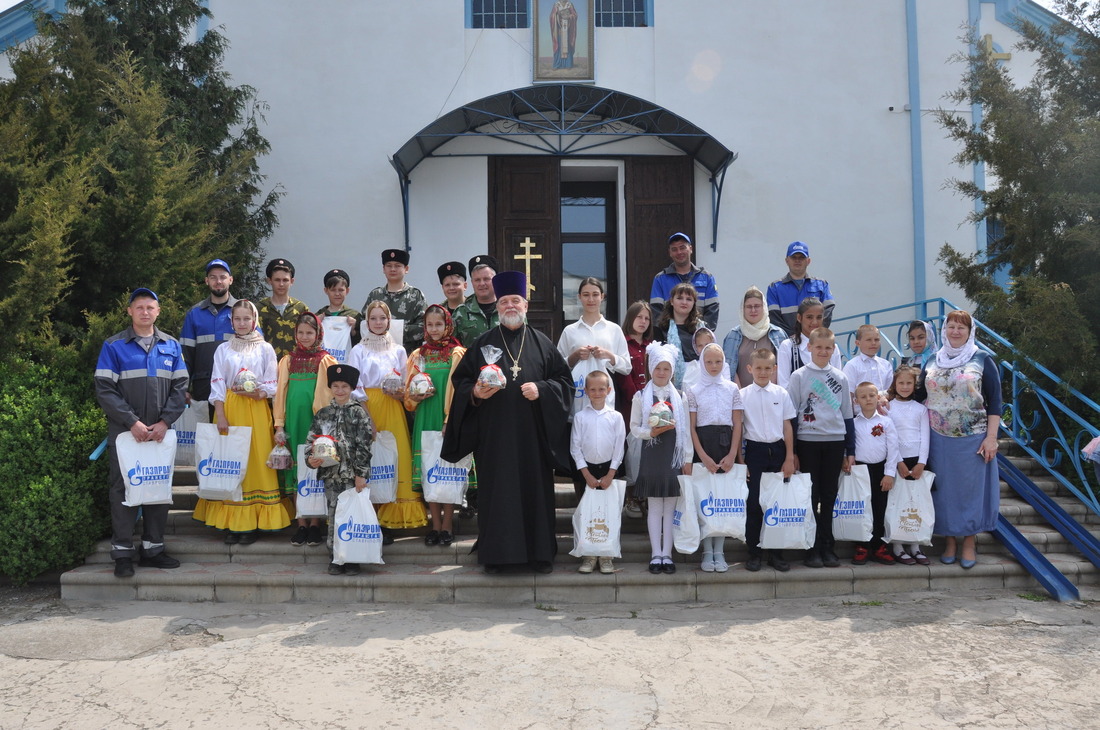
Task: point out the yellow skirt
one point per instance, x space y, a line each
262 506
409 510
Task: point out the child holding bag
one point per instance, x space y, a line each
658 418
715 409
910 419
597 443
378 357
877 448
348 424
301 392
438 356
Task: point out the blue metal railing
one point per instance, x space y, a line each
1050 420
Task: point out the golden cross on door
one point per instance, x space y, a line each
526 257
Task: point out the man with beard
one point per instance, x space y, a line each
207 325
516 432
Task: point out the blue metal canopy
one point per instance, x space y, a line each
563 120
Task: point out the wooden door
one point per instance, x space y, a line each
660 200
524 230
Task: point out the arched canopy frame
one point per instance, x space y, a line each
564 120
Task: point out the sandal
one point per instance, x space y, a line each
905 558
921 558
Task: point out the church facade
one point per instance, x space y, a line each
571 138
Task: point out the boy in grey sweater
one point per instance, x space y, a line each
824 437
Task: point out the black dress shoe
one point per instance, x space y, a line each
232 538
829 558
160 560
250 537
668 567
351 568
432 538
778 563
124 568
753 563
387 536
446 538
655 566
813 560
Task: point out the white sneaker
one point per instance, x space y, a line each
588 564
631 508
720 564
707 565
607 566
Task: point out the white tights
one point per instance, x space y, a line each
660 525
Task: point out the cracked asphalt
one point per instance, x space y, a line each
984 659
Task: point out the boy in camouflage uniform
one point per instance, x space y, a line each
405 302
350 426
278 319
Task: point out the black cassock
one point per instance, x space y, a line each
516 444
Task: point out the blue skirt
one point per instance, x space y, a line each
967 496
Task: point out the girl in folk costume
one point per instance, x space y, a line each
715 409
437 358
244 376
302 391
377 357
666 452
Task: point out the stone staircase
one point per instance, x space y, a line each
274 571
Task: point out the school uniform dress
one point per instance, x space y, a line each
656 475
262 505
375 361
960 400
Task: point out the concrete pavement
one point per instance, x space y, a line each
929 660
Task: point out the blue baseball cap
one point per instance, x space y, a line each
679 236
798 247
218 262
143 292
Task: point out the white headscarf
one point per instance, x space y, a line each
953 357
706 378
759 330
656 353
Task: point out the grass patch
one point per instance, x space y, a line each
544 607
1037 597
863 603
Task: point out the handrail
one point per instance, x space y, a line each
1050 420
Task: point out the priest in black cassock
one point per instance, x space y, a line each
517 433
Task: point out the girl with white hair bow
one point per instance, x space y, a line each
659 419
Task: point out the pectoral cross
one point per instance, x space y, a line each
526 257
515 370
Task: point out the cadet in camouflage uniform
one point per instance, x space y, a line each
405 302
350 426
479 313
278 325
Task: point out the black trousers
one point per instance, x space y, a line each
760 457
878 503
597 470
822 460
154 517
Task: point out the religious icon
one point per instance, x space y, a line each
563 47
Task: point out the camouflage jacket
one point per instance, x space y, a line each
471 322
350 426
279 328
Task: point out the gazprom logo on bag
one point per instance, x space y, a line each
310 486
777 515
352 530
440 473
712 505
185 438
340 355
578 388
383 472
849 508
677 517
152 475
219 467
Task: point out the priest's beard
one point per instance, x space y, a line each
512 321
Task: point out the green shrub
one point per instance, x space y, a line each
53 500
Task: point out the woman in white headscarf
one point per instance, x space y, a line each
666 450
964 413
754 332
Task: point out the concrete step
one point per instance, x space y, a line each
631 583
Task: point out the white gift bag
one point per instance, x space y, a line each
788 512
337 340
580 372
383 468
222 461
309 499
721 499
147 468
633 458
852 516
910 514
443 482
685 518
185 436
356 536
597 522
